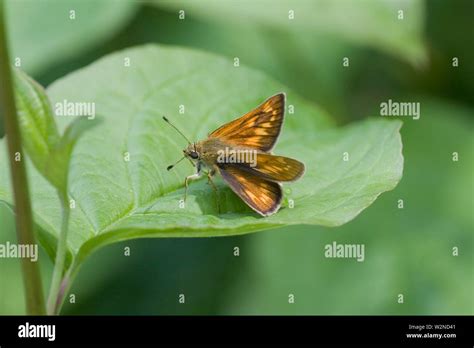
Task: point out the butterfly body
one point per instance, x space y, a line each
240 152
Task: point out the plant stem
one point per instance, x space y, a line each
65 286
55 292
24 220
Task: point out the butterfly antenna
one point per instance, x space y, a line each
172 125
171 166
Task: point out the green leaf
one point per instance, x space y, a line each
49 153
42 33
118 175
372 23
38 128
58 163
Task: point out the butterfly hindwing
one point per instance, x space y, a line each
274 168
261 195
257 129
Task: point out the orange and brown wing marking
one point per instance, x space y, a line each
261 195
275 168
257 129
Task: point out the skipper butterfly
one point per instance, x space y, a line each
240 151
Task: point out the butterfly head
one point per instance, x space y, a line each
191 151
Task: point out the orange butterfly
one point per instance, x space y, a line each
240 152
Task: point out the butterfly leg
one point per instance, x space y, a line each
210 174
195 176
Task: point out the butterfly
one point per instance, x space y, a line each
240 151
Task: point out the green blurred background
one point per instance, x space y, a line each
408 251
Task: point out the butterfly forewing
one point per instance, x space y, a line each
261 195
257 129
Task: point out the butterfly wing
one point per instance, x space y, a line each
274 168
257 129
261 195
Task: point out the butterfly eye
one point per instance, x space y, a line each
194 155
